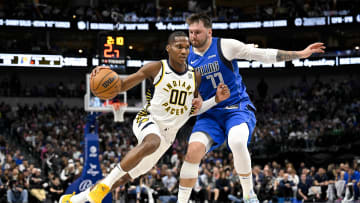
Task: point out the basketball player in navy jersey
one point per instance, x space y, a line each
234 119
175 91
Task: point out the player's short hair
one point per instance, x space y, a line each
199 17
172 36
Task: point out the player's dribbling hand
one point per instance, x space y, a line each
97 69
222 93
196 104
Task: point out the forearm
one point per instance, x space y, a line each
131 81
287 55
206 105
234 49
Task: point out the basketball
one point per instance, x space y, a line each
105 84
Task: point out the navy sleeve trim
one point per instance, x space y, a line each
223 59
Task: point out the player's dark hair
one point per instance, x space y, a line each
176 34
199 17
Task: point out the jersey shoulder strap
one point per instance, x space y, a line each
222 57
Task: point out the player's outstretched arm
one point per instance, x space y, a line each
234 49
317 47
148 71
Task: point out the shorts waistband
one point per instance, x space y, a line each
236 106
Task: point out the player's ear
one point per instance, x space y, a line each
167 47
210 32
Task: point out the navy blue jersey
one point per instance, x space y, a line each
214 68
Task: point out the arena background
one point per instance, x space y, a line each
308 111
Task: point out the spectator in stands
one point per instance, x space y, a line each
285 188
155 182
223 185
36 185
211 189
68 173
303 190
331 174
169 182
294 178
266 192
258 178
352 189
55 190
17 192
321 180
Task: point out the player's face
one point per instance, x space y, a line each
179 49
199 34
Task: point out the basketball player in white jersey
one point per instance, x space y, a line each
156 126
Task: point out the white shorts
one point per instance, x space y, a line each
143 126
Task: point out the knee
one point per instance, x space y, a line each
238 137
237 144
150 144
195 152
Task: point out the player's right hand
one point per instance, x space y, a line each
222 93
97 69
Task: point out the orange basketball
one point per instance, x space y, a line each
105 84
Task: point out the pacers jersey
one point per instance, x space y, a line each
172 97
214 68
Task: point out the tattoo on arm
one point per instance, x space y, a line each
286 55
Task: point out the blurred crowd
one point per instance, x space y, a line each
150 11
11 86
310 116
306 117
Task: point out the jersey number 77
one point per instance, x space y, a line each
212 78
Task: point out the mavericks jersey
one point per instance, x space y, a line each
172 97
214 68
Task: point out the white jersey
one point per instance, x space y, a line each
168 108
172 97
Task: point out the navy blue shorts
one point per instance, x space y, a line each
218 122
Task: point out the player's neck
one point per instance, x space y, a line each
177 66
203 49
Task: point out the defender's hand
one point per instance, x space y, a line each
97 69
222 93
196 104
317 47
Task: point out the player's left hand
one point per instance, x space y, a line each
222 93
196 104
317 47
97 70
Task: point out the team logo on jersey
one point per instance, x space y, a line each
190 75
194 61
208 68
212 56
178 94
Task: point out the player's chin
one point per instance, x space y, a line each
182 60
195 44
